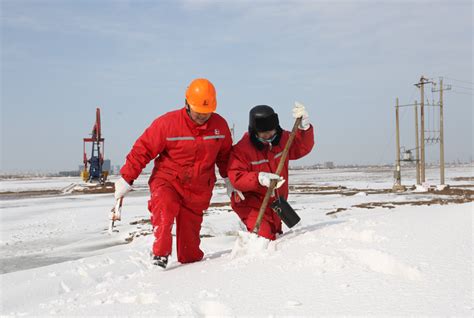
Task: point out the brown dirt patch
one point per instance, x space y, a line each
462 186
7 195
336 211
141 222
219 204
434 201
456 191
108 187
463 179
306 188
331 190
449 195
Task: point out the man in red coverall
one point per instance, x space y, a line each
255 158
185 145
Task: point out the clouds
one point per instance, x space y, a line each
346 60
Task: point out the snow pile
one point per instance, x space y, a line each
420 188
248 245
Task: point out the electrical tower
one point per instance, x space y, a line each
434 135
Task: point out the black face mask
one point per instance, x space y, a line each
261 145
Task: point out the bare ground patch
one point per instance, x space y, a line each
434 201
219 204
108 187
443 197
331 190
336 211
11 195
463 178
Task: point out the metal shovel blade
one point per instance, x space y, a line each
116 214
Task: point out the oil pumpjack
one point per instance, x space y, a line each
93 172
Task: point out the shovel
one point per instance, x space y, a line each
116 214
246 240
274 182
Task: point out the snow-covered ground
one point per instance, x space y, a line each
410 260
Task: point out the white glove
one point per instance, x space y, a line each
121 188
300 111
230 189
265 178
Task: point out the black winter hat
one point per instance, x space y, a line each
263 118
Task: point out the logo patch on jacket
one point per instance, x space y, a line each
216 132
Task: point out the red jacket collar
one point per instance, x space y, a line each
191 124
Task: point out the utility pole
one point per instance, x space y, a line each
398 178
397 187
441 134
421 85
417 147
422 114
441 130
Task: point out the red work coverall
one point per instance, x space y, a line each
245 163
183 176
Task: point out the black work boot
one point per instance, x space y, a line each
161 261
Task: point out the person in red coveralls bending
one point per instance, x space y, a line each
185 145
255 158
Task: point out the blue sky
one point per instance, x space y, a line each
346 61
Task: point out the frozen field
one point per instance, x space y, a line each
358 250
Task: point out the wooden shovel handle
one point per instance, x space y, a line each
273 183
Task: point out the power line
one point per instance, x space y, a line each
472 89
389 142
413 92
463 93
462 81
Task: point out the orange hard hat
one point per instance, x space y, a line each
201 96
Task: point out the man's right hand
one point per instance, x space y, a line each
265 178
121 188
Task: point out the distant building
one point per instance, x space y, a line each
329 165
